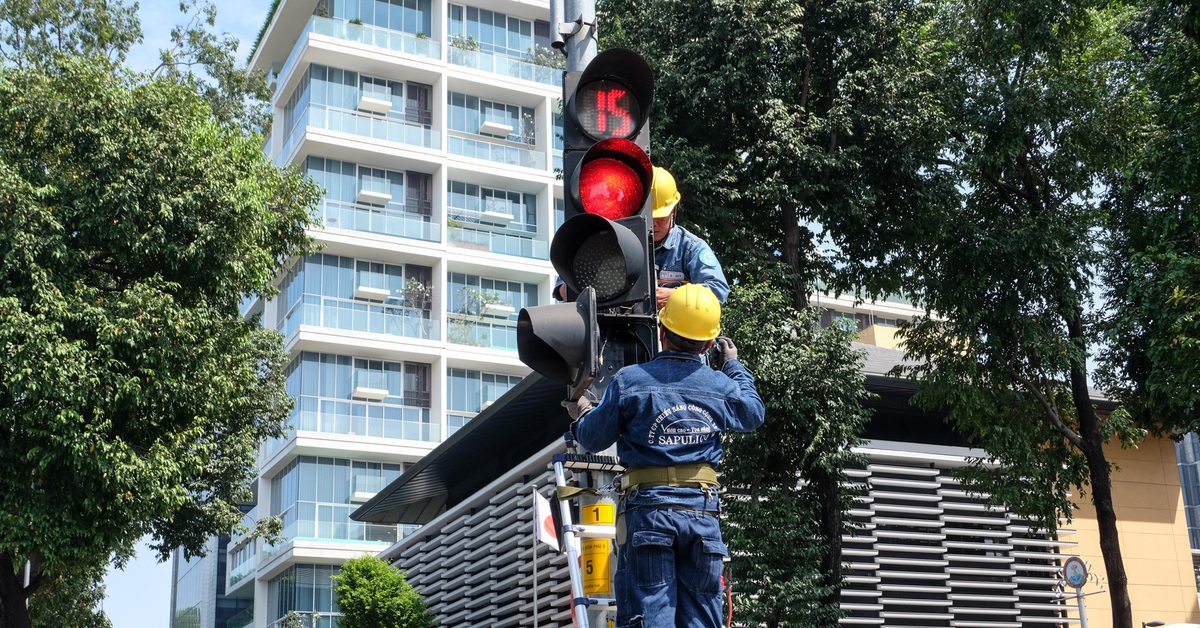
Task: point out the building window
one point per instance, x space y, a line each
314 497
470 392
307 590
499 33
479 116
407 16
337 394
483 311
472 203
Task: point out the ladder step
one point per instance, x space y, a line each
589 462
592 531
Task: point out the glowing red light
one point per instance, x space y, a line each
610 188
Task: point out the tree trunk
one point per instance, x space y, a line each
829 490
13 595
793 255
1101 478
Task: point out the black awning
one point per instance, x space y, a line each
518 425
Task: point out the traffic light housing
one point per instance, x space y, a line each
606 241
561 341
604 251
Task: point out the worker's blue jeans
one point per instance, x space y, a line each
669 569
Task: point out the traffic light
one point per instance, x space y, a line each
604 251
606 241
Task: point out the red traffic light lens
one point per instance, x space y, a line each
610 188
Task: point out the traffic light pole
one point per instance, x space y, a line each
578 31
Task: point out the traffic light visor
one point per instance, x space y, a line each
614 179
590 251
560 341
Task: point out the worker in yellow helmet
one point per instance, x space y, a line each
667 417
680 256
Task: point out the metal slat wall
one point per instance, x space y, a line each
478 570
926 553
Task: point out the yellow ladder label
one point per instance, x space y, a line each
596 555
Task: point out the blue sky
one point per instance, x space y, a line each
140 596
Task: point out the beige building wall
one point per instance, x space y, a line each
1153 537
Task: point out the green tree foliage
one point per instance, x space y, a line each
134 395
205 61
775 115
811 382
372 594
1153 272
34 32
1038 115
70 601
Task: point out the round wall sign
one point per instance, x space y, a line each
1075 572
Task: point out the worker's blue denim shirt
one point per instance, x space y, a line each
684 258
669 411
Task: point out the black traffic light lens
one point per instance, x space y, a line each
605 109
600 264
610 188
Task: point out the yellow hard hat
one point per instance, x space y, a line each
666 195
693 312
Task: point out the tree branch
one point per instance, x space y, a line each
1051 415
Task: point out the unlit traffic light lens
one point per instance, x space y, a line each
600 264
610 188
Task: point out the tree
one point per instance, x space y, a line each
811 381
134 395
1153 273
372 594
1037 117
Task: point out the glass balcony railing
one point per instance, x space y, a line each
482 331
467 231
311 619
249 520
397 41
241 620
364 418
497 152
391 220
242 571
505 66
332 522
351 121
365 316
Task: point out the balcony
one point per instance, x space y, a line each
242 619
499 152
242 571
386 318
386 128
249 520
469 229
364 487
311 619
505 66
396 41
364 418
482 331
322 521
394 220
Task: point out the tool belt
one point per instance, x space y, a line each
691 475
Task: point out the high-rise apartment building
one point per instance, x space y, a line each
434 129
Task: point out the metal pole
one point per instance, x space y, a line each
536 527
1082 608
580 43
